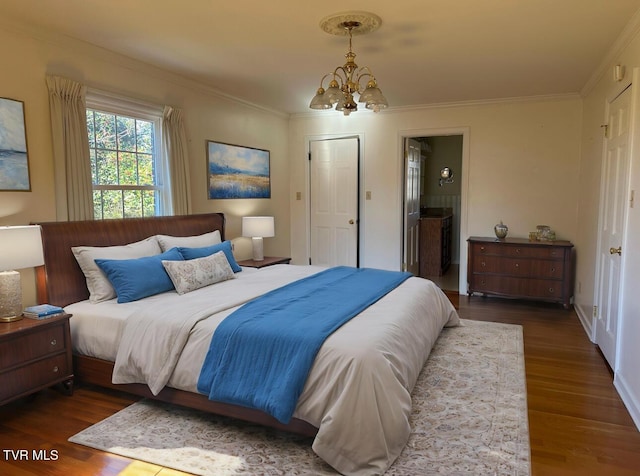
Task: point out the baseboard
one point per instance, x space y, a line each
628 398
585 316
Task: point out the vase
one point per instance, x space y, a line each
501 230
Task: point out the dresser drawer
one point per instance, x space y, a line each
548 269
39 374
539 252
518 266
518 251
500 265
517 287
26 347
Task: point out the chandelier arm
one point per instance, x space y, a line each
325 77
344 77
363 73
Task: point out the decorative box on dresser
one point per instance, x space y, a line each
434 247
519 268
35 354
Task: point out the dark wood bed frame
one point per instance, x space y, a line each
61 282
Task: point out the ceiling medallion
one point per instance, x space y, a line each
346 79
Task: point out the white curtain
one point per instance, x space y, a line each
72 168
175 147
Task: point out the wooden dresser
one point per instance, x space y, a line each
434 247
34 354
519 268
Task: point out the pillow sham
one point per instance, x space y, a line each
135 279
225 246
197 273
167 242
100 288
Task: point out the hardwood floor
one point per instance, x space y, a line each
578 424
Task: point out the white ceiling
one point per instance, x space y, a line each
273 53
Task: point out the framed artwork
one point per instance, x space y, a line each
14 160
235 171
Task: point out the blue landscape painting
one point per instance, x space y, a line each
237 172
14 164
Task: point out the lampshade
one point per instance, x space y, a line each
258 227
20 247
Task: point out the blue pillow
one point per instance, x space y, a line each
193 253
135 279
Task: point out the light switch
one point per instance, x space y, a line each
298 195
367 195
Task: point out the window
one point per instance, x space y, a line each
127 169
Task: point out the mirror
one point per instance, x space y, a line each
446 176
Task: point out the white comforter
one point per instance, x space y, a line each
358 390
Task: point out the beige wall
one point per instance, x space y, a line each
522 167
28 55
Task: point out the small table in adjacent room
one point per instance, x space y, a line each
267 261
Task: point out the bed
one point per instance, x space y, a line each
356 401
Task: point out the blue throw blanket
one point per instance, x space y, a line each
260 355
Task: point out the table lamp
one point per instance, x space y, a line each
20 247
257 228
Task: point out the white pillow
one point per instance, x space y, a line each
197 273
100 288
198 241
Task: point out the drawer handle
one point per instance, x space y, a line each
482 248
517 265
54 342
553 270
55 369
550 290
483 264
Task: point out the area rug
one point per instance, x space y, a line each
469 417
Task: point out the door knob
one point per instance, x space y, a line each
617 251
351 222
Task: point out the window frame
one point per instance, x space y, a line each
110 103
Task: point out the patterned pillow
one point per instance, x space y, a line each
197 273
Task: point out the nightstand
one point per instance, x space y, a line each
267 261
35 354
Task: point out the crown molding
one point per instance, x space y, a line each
627 35
75 45
449 105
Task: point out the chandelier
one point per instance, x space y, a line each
349 79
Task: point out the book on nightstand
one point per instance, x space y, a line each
42 311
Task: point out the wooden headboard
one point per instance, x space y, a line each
61 281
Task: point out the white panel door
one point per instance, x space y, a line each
412 206
612 221
334 202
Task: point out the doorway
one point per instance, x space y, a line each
442 191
